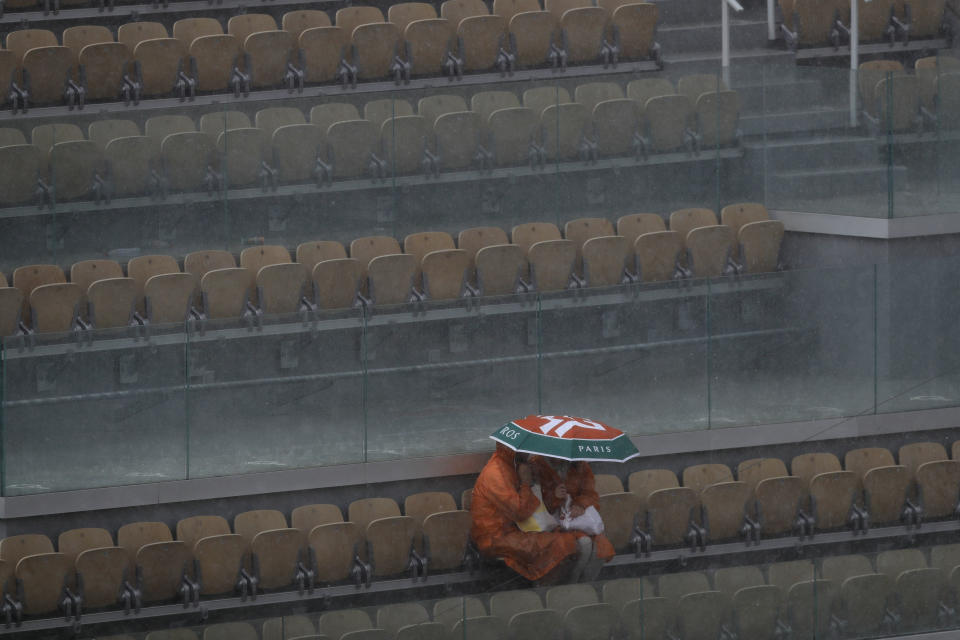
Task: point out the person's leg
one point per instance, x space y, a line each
593 566
584 553
557 575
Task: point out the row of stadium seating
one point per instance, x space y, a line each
837 595
818 23
318 547
896 101
154 291
280 146
255 54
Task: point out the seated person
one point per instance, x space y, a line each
504 496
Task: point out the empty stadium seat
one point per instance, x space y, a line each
515 134
806 466
215 57
709 251
481 38
295 626
104 131
534 37
276 550
42 579
552 264
226 292
161 61
133 33
296 22
55 307
457 10
334 624
607 261
242 26
353 147
668 508
501 269
323 49
684 221
620 512
428 46
484 103
112 302
403 141
668 119
366 249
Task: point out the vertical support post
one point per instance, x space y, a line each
725 47
854 58
771 23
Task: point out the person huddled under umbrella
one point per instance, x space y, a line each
516 498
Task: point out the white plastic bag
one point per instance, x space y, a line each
541 520
590 522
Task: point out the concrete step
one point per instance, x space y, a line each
813 153
742 61
707 36
780 95
832 181
794 121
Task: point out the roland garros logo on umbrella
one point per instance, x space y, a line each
566 437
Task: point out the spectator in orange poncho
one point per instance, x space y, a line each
502 497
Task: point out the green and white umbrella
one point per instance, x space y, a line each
566 437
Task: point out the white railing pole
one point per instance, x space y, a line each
854 58
725 31
771 23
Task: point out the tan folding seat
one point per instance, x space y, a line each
700 476
917 453
668 121
392 279
255 258
445 538
552 264
759 246
755 470
420 244
73 542
420 505
337 282
281 287
945 557
710 250
445 273
162 561
862 460
366 249
133 33
22 40
523 613
192 529
583 32
619 511
112 302
874 19
863 602
432 107
349 18
160 60
725 505
296 148
103 131
684 221
215 56
427 44
694 86
449 611
363 512
403 140
296 22
620 591
717 116
243 153
886 492
199 263
15 548
645 88
230 631
612 120
510 8
268 55
353 145
534 36
11 311
402 14
142 268
42 578
647 618
86 272
159 127
838 568
605 483
308 516
919 590
500 269
375 47
244 25
325 115
29 277
275 548
559 7
703 615
606 260
76 38
938 488
287 627
593 93
583 229
45 136
393 617
105 65
226 292
737 215
55 307
485 103
539 98
868 77
310 253
168 297
457 10
481 38
187 30
779 497
514 131
807 465
832 495
565 126
633 27
102 572
929 70
893 563
10 137
674 586
323 49
668 508
474 239
334 624
813 21
457 137
379 111
565 597
21 165
809 606
786 574
527 234
729 580
188 159
335 546
219 559
77 166
898 101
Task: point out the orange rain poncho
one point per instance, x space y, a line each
499 502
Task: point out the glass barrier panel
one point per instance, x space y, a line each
92 407
298 375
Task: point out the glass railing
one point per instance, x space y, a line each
105 407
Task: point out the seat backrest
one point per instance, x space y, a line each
296 22
160 60
636 224
391 617
192 529
559 7
500 268
15 548
55 307
272 117
133 33
310 253
432 107
187 30
103 131
308 516
485 103
254 258
724 506
862 460
593 93
807 465
159 127
673 586
476 238
335 545
657 255
754 470
506 604
10 136
645 88
336 282
482 37
11 310
693 86
457 10
76 38
870 74
832 494
44 136
281 287
134 535
324 115
404 13
219 559
422 243
737 215
893 563
295 626
644 482
420 505
710 249
22 40
513 130
199 263
917 453
539 98
839 568
620 512
363 512
684 221
604 260
334 624
217 122
402 141
787 574
510 8
367 248
349 18
552 264
249 523
729 580
446 537
323 48
533 33
243 25
635 24
607 483
527 234
41 579
226 292
668 118
142 268
112 302
388 544
759 245
583 229
700 476
445 273
565 597
86 272
381 110
351 144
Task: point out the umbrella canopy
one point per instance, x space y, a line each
566 437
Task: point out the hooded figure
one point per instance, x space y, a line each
501 498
